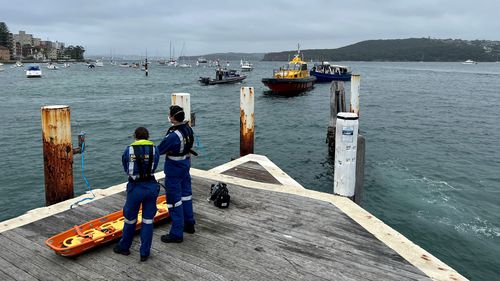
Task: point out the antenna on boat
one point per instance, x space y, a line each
146 63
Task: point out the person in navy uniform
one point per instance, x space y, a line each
139 160
177 145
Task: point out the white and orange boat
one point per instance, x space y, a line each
83 237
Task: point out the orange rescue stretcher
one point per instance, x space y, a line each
83 237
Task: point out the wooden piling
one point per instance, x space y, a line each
183 100
337 104
355 85
146 67
360 170
246 120
57 153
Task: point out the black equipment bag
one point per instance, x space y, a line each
220 195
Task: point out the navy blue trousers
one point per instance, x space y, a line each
179 200
145 194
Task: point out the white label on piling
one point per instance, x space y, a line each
347 134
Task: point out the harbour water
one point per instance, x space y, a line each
432 133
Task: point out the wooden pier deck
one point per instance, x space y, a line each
274 230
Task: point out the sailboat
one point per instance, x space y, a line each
183 64
172 61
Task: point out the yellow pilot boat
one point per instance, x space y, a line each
292 78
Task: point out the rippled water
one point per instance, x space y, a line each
432 131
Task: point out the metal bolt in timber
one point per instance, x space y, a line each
57 153
246 120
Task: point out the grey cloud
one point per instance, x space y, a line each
129 27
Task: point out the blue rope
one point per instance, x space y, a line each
202 148
84 177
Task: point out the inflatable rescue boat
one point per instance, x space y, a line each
83 237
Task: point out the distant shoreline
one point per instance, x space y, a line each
39 61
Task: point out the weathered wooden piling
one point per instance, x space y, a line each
337 104
346 139
183 100
360 170
355 85
246 120
146 67
57 153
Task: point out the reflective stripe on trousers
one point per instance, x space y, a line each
129 221
177 204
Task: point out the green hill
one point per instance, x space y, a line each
412 49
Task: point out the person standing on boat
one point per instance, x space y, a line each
177 145
139 160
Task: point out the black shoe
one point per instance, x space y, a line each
169 239
189 228
119 250
144 258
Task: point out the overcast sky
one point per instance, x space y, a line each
209 26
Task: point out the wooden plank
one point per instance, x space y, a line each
13 271
277 243
26 252
10 252
251 171
18 235
94 260
264 235
314 235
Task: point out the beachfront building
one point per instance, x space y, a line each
23 38
4 53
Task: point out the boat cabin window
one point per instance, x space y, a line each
304 67
294 66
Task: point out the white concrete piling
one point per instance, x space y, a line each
183 100
346 139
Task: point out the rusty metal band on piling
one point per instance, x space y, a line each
57 153
246 120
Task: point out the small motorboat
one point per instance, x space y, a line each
83 237
326 72
223 76
246 65
52 66
469 62
291 79
34 71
